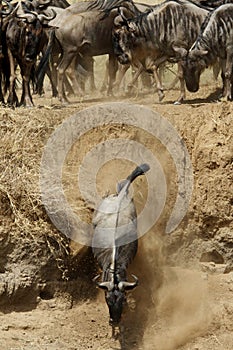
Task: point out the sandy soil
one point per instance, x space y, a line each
187 306
192 311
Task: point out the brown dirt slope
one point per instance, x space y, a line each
47 298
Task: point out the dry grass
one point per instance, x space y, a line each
23 134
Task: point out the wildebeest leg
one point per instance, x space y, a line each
113 66
155 66
91 76
106 77
69 90
52 70
1 94
121 73
158 83
85 68
74 76
52 75
12 97
216 69
122 69
26 98
63 65
139 70
228 74
182 85
223 69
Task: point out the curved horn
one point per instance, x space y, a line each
29 17
123 16
42 17
123 285
43 3
103 285
10 9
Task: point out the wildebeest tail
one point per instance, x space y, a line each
139 170
42 66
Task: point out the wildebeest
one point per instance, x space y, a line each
88 6
89 34
214 3
84 63
214 42
152 38
43 4
115 245
23 38
5 11
81 67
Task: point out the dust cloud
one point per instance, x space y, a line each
170 306
180 310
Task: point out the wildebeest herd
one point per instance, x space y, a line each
60 40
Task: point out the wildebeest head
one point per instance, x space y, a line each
123 39
115 296
32 25
31 34
193 64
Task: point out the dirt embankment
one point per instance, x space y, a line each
173 307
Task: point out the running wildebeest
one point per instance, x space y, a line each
115 243
215 42
89 34
214 3
152 38
5 11
24 33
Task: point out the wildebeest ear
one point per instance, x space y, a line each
181 51
106 285
109 285
27 17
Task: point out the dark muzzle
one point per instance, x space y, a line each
192 87
124 58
